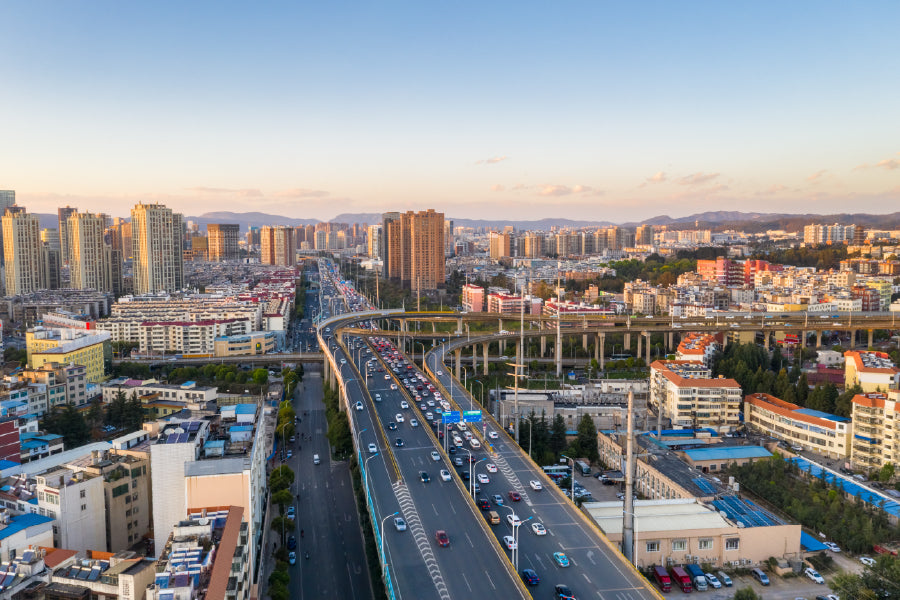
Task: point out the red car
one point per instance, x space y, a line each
514 496
442 539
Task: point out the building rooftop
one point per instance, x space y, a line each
656 515
20 522
745 513
727 453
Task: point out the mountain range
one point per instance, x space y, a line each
723 219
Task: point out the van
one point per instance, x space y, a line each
492 517
475 444
760 576
662 579
724 578
316 459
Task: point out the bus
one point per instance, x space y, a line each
620 357
564 470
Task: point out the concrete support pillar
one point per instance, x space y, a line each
499 324
627 349
543 346
458 353
459 324
597 348
557 347
819 339
766 339
639 340
486 345
584 342
871 338
474 357
434 327
602 343
647 360
670 344
852 338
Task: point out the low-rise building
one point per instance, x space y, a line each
18 533
872 371
473 298
820 432
35 445
876 429
257 342
188 337
75 501
717 459
697 347
69 346
685 392
194 396
123 575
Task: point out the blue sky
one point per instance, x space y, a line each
599 110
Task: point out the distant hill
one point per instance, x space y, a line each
248 219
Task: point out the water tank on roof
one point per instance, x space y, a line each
178 430
203 521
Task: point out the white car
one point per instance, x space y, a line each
484 479
435 456
868 561
491 467
538 529
393 386
404 404
509 542
413 423
513 520
359 406
445 474
398 417
832 546
373 448
429 416
814 575
535 485
387 377
493 434
440 372
711 579
400 524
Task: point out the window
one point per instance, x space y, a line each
732 543
705 544
679 545
84 507
83 493
652 546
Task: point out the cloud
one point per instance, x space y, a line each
775 188
696 178
492 161
817 175
497 188
300 193
564 190
658 177
245 192
889 164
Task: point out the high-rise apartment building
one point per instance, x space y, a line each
828 234
414 248
63 215
157 247
375 241
23 253
277 246
643 236
88 266
500 245
7 199
223 241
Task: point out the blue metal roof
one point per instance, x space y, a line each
822 415
810 543
214 444
728 453
241 428
17 524
245 409
850 486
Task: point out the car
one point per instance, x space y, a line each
445 475
535 485
724 578
424 477
435 456
359 405
442 538
292 543
498 499
538 528
493 434
514 496
343 361
293 439
561 559
563 592
413 422
291 513
491 467
398 417
513 519
392 426
387 377
510 542
377 397
399 524
393 386
440 372
429 416
422 406
482 478
814 575
484 504
868 561
292 558
530 577
399 442
832 546
458 461
713 581
373 448
465 474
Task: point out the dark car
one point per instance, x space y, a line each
563 592
399 442
530 577
484 504
292 543
514 496
424 477
442 538
392 426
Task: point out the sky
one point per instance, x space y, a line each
597 110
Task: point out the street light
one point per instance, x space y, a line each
572 476
384 565
423 351
472 475
474 381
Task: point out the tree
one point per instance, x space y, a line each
586 440
886 473
282 498
746 594
260 376
558 435
281 478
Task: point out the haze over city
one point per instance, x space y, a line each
585 110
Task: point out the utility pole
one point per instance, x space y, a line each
558 323
628 516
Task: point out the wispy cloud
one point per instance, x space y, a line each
889 164
300 193
696 178
817 176
564 190
658 177
497 187
775 188
214 191
492 161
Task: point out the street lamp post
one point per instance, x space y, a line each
474 381
384 565
423 351
572 476
472 474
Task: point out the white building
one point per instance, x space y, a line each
685 392
75 500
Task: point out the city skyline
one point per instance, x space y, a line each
617 113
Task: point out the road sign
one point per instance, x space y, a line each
450 417
472 416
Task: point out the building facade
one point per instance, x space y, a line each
223 241
157 247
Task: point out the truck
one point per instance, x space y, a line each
681 579
697 576
662 579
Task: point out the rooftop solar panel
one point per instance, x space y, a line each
705 486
